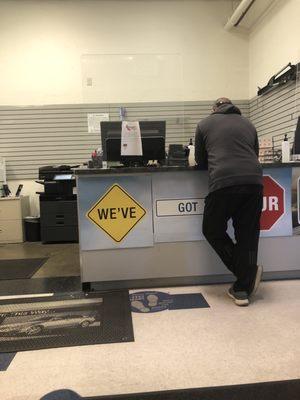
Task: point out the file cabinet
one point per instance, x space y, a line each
59 221
12 212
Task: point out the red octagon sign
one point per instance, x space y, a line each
273 203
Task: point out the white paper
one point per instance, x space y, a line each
2 170
131 142
94 121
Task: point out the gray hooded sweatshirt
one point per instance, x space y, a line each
226 144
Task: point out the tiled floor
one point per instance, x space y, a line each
220 345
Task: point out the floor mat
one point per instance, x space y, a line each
73 319
5 360
62 284
151 301
23 268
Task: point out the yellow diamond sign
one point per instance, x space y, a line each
116 213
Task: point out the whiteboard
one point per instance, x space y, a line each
120 78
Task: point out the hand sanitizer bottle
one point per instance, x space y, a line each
191 153
285 149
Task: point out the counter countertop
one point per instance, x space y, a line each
137 170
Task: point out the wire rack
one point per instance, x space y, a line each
270 148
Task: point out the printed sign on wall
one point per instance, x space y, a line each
94 120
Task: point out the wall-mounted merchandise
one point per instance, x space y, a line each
276 114
285 75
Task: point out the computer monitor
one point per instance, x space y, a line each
153 135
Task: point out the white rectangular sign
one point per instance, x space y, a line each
2 170
94 121
131 141
179 207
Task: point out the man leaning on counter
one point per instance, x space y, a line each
226 144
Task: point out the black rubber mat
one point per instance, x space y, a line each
61 284
73 319
23 268
281 390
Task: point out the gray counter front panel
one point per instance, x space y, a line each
162 260
91 189
185 259
167 243
188 188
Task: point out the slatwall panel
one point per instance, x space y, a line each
276 113
31 137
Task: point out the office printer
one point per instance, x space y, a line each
58 181
58 204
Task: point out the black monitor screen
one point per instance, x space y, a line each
153 134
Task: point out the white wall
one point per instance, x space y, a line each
274 42
42 43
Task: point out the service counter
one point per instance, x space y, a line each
141 227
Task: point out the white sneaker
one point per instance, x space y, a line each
257 280
240 298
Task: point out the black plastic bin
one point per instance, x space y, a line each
32 229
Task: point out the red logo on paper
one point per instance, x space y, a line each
273 203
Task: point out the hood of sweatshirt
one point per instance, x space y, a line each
227 109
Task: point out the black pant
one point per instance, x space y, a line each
242 204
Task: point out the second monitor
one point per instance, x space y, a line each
153 135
